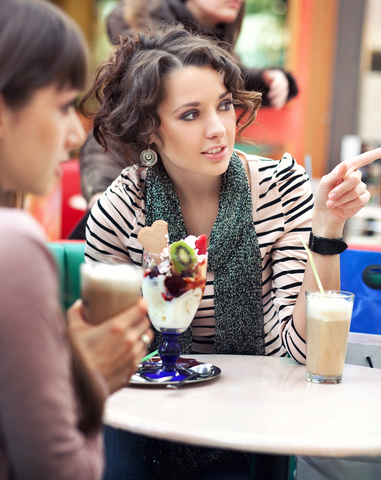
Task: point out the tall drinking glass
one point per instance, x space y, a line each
107 289
328 318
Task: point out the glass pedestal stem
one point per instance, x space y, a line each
169 351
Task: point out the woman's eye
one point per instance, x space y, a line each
65 109
190 115
226 105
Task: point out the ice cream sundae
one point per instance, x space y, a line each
174 280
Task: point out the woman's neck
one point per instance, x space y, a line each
199 202
191 189
11 199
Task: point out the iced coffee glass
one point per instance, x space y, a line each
328 319
107 289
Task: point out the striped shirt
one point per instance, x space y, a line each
282 209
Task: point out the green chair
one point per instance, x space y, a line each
74 257
58 252
68 256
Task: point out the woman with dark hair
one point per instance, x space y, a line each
51 400
221 19
174 95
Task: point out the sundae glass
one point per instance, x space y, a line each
173 284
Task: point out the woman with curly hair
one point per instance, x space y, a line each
180 98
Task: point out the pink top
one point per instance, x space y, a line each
39 438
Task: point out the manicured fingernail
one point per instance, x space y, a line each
332 196
330 203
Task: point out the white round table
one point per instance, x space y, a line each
259 404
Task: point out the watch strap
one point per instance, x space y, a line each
326 246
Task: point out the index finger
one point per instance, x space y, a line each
361 160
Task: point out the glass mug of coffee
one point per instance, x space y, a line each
107 290
328 318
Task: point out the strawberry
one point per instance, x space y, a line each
201 244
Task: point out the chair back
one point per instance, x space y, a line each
361 275
68 256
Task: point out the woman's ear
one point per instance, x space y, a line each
153 139
1 114
4 113
156 140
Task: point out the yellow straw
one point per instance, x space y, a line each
313 265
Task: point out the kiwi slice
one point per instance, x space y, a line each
183 256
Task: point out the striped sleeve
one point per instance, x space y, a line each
289 257
115 220
283 211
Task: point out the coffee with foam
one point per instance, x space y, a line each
108 289
328 320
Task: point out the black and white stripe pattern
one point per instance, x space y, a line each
282 201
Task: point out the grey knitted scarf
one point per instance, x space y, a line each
233 256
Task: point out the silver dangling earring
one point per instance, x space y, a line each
148 157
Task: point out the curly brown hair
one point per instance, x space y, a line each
131 84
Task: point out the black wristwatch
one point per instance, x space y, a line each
326 246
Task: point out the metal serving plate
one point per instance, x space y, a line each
149 368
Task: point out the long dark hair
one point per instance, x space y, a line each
232 30
40 45
140 14
130 86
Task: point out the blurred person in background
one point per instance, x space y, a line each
221 19
53 383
